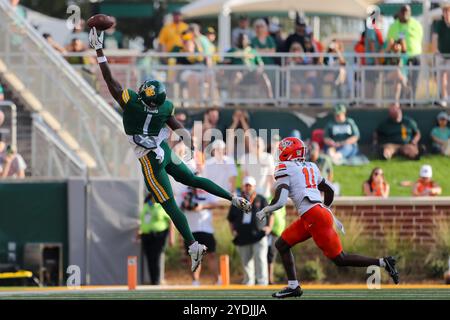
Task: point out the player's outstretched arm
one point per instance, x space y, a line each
114 87
278 201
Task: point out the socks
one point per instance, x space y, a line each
382 263
293 284
179 219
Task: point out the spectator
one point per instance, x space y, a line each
441 45
341 136
85 61
322 161
154 229
53 43
78 33
2 94
259 164
373 41
279 224
202 42
337 78
20 11
275 33
238 141
221 168
211 128
12 164
398 135
212 37
244 54
250 235
376 185
197 205
441 135
399 77
263 42
360 48
373 44
424 185
303 82
170 35
407 28
193 79
243 28
298 36
113 38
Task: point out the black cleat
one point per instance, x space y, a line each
288 293
390 267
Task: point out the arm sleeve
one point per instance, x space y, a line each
280 202
328 190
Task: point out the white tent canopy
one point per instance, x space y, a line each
353 8
223 8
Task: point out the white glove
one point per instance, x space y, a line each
95 40
261 215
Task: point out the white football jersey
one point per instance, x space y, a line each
302 179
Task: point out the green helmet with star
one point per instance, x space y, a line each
152 93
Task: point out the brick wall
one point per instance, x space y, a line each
415 219
412 219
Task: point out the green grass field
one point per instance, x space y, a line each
395 171
405 293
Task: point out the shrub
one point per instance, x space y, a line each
312 270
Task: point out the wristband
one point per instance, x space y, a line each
102 59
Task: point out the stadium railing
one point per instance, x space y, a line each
306 84
49 155
82 119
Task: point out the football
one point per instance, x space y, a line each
101 22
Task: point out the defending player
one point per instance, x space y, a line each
302 182
145 116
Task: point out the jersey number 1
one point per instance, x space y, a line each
306 173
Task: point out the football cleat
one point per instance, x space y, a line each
288 293
242 204
390 268
196 252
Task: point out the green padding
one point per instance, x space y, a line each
32 212
391 9
127 10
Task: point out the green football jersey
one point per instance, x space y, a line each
138 119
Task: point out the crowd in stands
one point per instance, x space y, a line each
403 43
252 41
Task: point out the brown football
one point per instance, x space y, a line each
100 22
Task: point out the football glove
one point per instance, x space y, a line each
95 40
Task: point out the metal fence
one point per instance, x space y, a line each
290 82
50 157
79 112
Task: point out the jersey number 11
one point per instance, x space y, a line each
306 173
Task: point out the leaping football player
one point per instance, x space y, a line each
301 181
146 113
